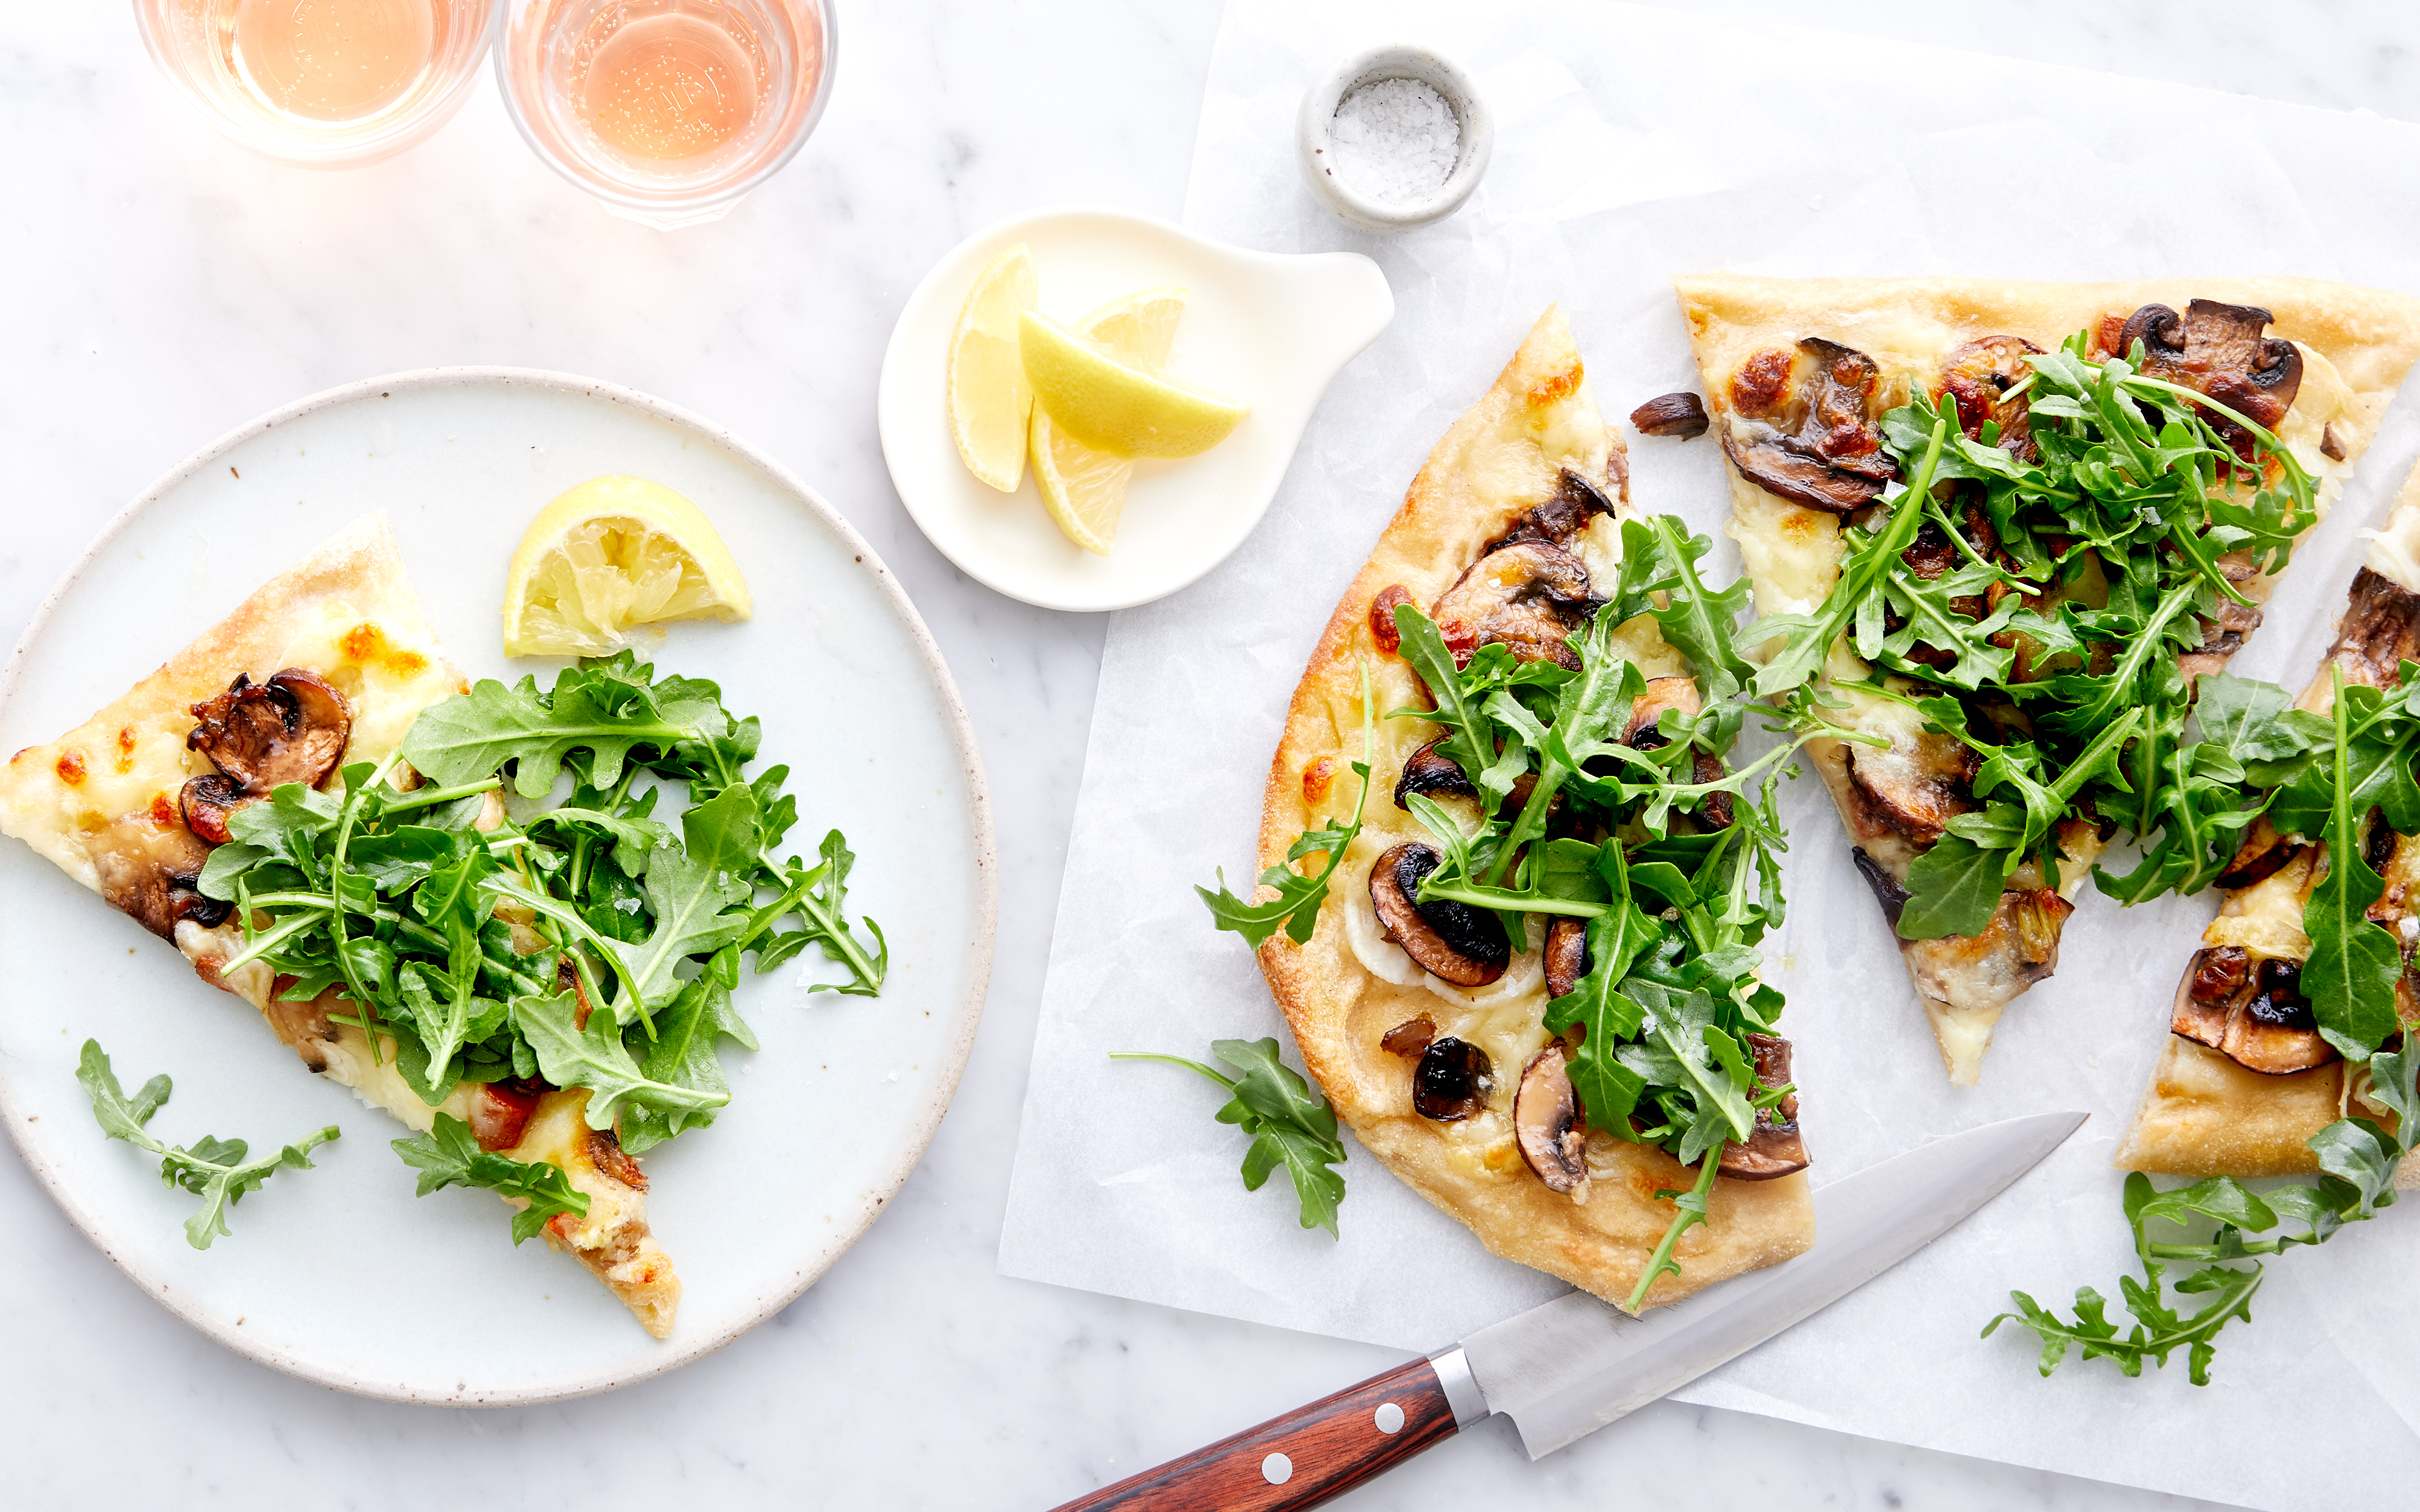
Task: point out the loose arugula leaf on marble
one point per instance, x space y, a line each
449 1155
212 1169
1292 1126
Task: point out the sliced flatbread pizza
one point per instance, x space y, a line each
2260 392
1426 1022
327 664
2246 1078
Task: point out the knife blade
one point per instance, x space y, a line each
1569 1366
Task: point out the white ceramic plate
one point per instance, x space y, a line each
1272 331
339 1275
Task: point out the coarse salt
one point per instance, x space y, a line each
1395 139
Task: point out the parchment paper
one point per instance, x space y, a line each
1635 144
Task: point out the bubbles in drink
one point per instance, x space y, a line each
331 60
674 85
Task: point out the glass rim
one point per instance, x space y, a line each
654 206
340 148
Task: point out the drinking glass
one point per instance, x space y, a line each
669 111
324 84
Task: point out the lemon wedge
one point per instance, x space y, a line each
1085 490
989 396
1112 403
608 554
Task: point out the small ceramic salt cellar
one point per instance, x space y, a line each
1394 138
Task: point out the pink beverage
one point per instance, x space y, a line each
323 82
667 110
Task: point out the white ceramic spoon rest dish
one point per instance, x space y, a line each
1270 330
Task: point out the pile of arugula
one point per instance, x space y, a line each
2359 758
2101 563
1675 908
630 929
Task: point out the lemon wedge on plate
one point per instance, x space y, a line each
989 396
608 554
1084 489
1110 402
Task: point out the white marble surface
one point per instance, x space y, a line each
162 288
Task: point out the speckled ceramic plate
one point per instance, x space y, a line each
339 1275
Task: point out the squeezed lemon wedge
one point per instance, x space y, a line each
608 554
1084 489
989 396
1110 402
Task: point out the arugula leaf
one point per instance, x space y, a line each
684 1054
449 1155
213 1169
820 895
595 1057
1953 888
1291 1128
601 709
693 894
2350 977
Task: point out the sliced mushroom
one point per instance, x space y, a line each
1832 457
1450 941
208 802
2262 853
2223 633
1566 514
2219 350
1990 970
606 1153
2379 632
290 729
1547 1124
1566 954
1777 1147
1914 788
1409 1039
1430 770
1529 596
2255 1015
1978 375
1888 889
1453 1081
1773 465
2331 444
1647 710
1670 414
1713 810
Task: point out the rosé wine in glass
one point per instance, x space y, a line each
667 110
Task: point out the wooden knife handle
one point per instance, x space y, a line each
1299 1460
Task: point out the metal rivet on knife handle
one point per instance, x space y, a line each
1302 1458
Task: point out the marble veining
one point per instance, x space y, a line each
163 288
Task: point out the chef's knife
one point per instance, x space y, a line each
1569 1367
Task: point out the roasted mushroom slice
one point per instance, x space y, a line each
1777 1147
1991 970
2380 630
1671 414
1773 465
2219 350
290 729
1814 441
1713 810
1453 1081
1977 376
2223 633
2215 980
1647 710
1409 1039
2252 1013
1914 788
208 802
1565 515
2263 852
1547 1124
1886 888
1429 770
1566 954
1450 941
1530 596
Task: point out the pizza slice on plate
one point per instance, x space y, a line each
327 664
2115 474
2247 1077
1503 994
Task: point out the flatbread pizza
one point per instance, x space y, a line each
2115 475
327 664
1483 1050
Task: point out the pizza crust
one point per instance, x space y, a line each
1497 461
101 801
